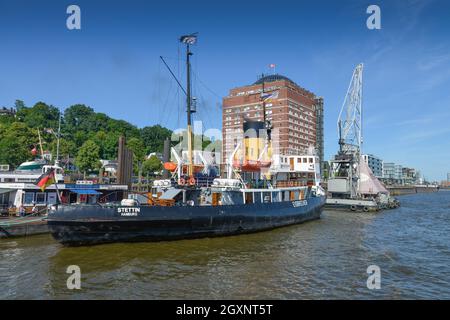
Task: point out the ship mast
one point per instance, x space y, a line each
188 40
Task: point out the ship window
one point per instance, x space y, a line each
276 196
298 160
248 197
286 196
310 160
257 197
266 197
305 160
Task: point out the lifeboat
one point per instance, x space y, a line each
170 166
251 165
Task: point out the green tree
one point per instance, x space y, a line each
137 147
19 105
153 138
67 148
151 165
16 142
88 158
40 115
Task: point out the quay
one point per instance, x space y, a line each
23 226
403 190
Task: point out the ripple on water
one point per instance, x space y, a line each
323 259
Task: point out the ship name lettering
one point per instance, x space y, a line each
128 211
300 203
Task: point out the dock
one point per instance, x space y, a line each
23 226
403 190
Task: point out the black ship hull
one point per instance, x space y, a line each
93 224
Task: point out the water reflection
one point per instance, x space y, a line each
327 258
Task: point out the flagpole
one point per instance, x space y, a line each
56 186
57 192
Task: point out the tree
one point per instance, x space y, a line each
151 165
79 118
19 105
66 148
40 115
153 138
88 158
16 141
137 147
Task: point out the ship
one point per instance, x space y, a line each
259 191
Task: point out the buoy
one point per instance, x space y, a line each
191 181
182 181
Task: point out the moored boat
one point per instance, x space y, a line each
260 191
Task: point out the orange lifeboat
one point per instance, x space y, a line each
170 166
251 165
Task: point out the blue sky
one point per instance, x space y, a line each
112 64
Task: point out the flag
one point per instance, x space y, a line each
189 39
269 96
45 180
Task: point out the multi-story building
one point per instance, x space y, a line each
398 172
375 164
392 173
389 170
448 177
409 175
295 113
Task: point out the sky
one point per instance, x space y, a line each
112 63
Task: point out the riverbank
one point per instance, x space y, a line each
402 190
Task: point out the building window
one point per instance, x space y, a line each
40 198
28 198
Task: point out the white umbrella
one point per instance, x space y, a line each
18 198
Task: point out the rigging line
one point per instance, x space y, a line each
159 91
206 87
178 90
173 75
164 114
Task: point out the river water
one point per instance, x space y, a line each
323 259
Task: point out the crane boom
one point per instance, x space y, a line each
350 118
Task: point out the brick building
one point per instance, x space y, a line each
294 112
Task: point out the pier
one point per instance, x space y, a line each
23 227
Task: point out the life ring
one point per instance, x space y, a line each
353 207
182 181
191 181
365 209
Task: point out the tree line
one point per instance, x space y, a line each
86 136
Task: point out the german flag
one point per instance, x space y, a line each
47 179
